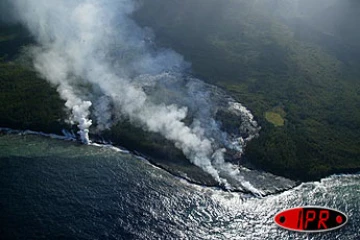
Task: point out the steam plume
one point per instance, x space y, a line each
98 57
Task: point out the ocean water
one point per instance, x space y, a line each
55 189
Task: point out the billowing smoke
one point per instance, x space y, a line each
98 57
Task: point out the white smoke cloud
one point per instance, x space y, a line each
98 57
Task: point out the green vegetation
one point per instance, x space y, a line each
28 102
274 118
302 86
265 63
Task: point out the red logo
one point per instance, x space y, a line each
310 219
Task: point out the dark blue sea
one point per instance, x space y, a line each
55 189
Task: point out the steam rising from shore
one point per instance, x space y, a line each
102 62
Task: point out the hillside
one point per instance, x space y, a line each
300 80
276 66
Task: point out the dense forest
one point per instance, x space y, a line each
298 75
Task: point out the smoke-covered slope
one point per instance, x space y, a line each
299 81
295 64
109 71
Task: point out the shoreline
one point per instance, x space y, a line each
67 136
150 160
